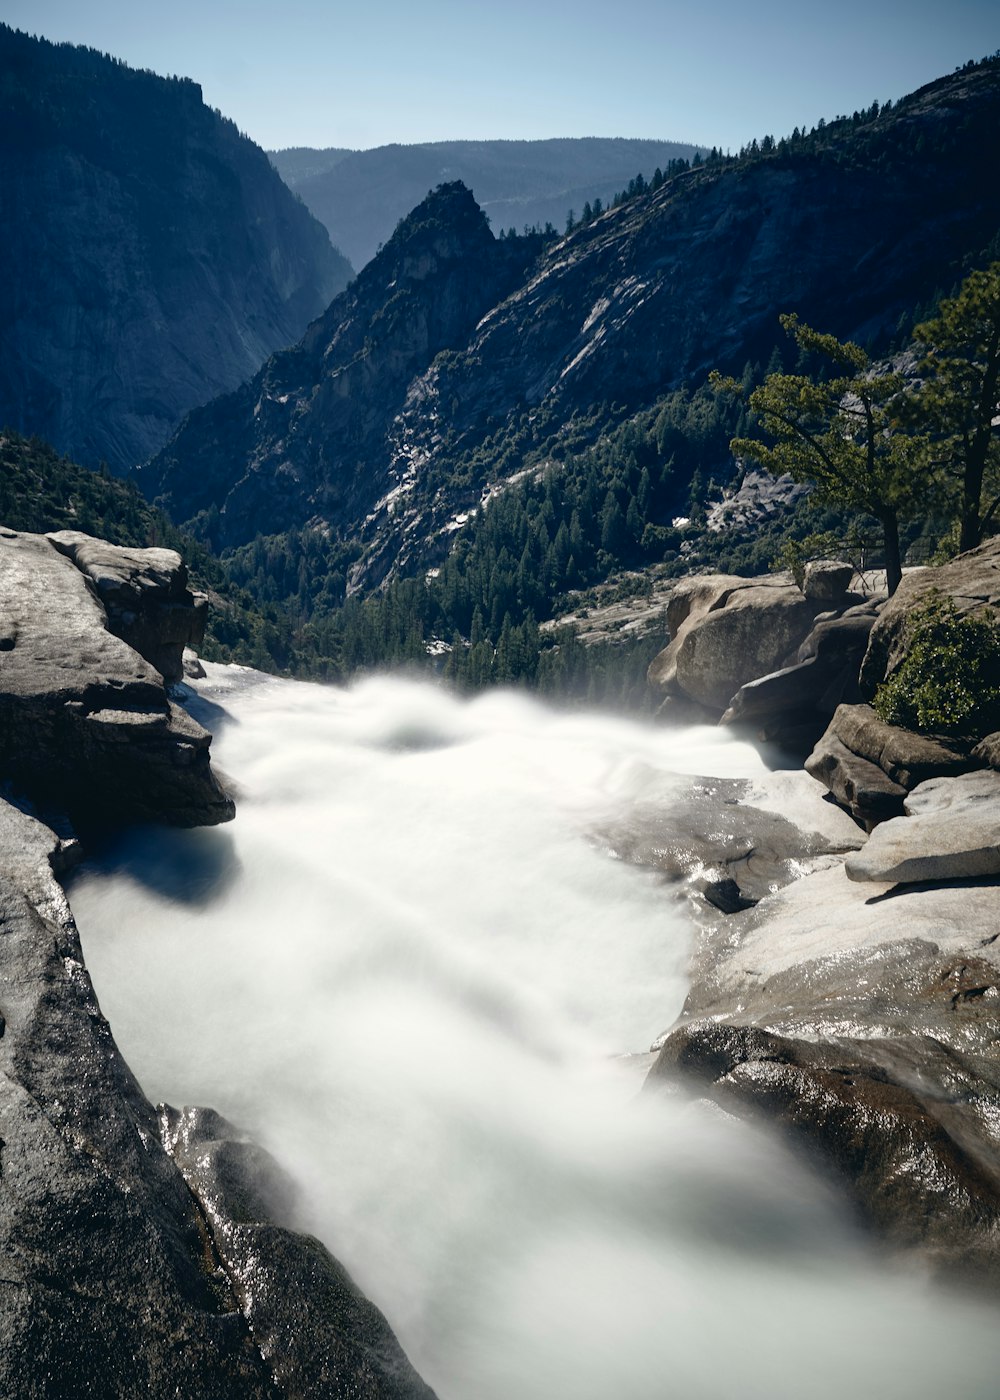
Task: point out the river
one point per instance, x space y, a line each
414 971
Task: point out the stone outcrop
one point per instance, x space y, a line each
951 831
146 1252
870 766
803 696
726 631
145 596
143 1252
86 725
864 1023
971 582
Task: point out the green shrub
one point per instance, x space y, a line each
949 682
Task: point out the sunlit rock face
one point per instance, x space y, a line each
159 256
86 725
424 968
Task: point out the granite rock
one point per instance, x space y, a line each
827 580
863 1020
85 722
726 631
869 766
951 832
145 596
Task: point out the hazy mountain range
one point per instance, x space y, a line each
361 195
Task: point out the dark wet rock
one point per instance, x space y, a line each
115 1279
904 1156
85 722
725 895
951 831
827 580
343 1347
864 1019
145 596
869 766
971 582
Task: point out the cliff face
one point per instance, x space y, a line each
156 257
363 428
307 436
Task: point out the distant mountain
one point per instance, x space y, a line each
458 363
361 195
153 257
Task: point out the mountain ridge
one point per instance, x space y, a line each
360 195
852 225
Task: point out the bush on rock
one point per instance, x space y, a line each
949 681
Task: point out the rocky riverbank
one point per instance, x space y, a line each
145 1250
857 1005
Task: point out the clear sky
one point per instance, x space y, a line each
326 73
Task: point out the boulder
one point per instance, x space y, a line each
951 832
726 631
691 600
972 582
145 596
123 1274
827 580
85 721
987 751
859 785
799 699
869 766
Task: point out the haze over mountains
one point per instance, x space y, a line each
360 196
157 257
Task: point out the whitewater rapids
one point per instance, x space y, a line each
413 972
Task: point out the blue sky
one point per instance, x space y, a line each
305 72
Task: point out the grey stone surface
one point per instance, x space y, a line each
145 596
757 834
827 580
85 723
951 832
726 631
864 1021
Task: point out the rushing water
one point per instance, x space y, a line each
411 970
